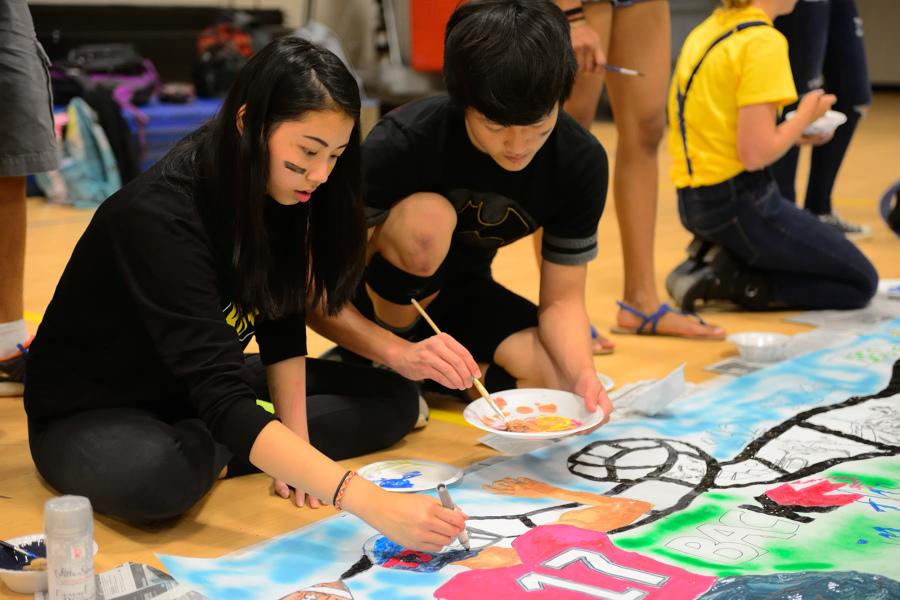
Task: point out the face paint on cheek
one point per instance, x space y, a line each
292 167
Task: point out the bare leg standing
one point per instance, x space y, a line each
639 108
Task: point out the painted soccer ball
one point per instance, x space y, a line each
646 469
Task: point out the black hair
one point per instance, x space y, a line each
511 60
280 258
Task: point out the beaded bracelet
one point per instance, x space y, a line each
342 489
338 488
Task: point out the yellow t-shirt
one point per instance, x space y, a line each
749 67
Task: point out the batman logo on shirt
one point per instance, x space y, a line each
488 220
245 327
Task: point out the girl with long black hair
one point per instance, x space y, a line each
138 393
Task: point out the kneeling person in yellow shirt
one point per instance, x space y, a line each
751 246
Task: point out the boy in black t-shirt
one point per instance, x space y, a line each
449 180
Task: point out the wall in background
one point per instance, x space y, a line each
880 20
354 21
293 9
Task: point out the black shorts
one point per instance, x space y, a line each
477 311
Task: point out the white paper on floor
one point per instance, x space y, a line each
649 396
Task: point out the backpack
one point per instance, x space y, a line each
223 48
132 78
123 141
66 83
88 174
69 82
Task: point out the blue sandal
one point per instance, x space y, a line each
653 321
598 350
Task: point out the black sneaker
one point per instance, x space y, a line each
12 372
689 289
738 282
722 277
850 230
696 252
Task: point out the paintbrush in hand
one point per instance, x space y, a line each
481 389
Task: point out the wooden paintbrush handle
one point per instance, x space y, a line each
487 398
425 316
481 389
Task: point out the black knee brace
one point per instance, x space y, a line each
396 285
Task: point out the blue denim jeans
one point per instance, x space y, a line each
806 263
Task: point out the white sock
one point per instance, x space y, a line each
11 334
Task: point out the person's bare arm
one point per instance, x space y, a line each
586 41
563 329
287 388
411 520
761 141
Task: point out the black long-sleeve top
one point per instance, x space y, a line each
140 317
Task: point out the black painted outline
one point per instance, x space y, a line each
714 467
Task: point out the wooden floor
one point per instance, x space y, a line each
242 511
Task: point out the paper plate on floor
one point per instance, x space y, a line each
607 381
410 475
541 414
760 346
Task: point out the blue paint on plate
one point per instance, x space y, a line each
400 483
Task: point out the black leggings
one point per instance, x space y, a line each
136 465
826 50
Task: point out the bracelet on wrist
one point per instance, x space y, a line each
340 484
574 14
342 489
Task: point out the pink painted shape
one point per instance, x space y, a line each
546 542
818 494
